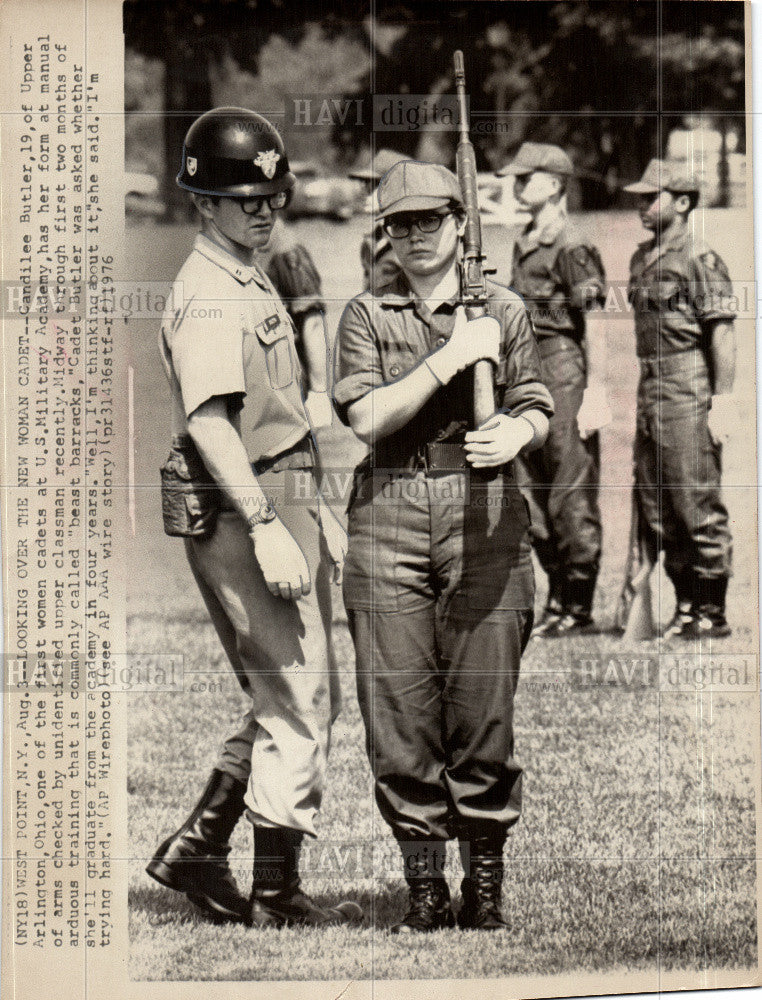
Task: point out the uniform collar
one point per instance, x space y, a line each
655 248
398 294
217 255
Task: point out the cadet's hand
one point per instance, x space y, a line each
282 561
498 440
336 539
471 340
319 409
722 418
594 412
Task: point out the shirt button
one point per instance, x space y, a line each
394 371
441 342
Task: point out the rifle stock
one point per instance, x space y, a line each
634 612
473 285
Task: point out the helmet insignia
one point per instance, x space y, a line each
267 162
192 165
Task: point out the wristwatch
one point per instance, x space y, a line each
264 515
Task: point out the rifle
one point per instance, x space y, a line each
473 286
634 616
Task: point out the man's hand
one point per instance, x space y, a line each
319 409
336 539
498 440
282 561
722 418
471 340
594 412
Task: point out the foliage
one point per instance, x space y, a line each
607 80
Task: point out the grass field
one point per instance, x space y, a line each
637 847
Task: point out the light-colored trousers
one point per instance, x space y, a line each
282 652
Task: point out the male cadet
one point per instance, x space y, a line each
290 267
685 340
379 265
560 277
438 587
264 566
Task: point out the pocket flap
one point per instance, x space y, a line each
271 329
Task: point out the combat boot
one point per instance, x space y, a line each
576 618
682 622
550 617
709 620
429 895
277 898
193 860
481 851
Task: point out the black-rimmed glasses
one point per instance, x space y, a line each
400 228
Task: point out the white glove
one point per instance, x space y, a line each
594 412
319 409
471 340
722 418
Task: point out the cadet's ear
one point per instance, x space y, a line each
683 204
203 203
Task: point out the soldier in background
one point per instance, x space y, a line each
291 269
560 277
379 265
685 341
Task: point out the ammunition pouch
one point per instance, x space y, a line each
190 497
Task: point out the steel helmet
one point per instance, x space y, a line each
232 151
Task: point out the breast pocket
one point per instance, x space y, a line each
274 345
396 362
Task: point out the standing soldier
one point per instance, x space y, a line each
560 276
439 587
379 265
263 565
685 340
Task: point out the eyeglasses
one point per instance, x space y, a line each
252 205
400 228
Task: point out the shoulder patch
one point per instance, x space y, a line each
581 255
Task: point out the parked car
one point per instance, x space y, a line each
319 193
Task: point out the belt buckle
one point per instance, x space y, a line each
436 460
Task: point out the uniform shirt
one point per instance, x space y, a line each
676 287
227 333
382 338
558 276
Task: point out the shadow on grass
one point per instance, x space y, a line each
162 906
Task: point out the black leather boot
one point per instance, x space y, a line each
576 618
193 860
481 851
681 624
429 908
277 899
709 616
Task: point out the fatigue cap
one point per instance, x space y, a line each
538 156
414 186
378 165
660 175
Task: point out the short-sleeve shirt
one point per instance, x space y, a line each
676 288
559 276
227 333
381 338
